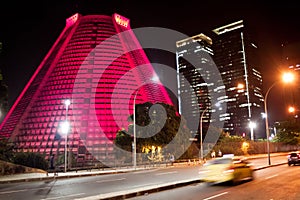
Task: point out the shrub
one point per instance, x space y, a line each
31 159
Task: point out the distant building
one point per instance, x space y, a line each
235 54
198 83
95 64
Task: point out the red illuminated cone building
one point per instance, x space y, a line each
96 64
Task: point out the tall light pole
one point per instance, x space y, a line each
287 77
252 125
201 133
134 132
293 111
66 127
134 146
266 121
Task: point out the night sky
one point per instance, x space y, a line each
28 30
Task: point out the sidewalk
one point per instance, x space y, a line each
94 172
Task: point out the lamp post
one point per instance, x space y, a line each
201 133
154 79
134 132
293 111
252 125
66 130
266 122
287 77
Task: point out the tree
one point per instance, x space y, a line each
123 140
157 125
6 150
228 144
31 159
288 132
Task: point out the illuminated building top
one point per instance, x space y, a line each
86 64
123 21
196 38
72 20
229 27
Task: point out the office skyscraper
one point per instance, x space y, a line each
198 83
98 64
235 54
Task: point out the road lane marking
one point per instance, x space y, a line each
272 176
66 196
163 173
110 180
212 197
146 171
12 191
24 190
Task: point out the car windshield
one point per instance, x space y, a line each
221 161
294 154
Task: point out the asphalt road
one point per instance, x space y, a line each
122 185
275 183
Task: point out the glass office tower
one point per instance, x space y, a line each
198 81
94 63
235 54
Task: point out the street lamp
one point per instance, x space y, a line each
154 79
252 125
293 111
65 130
134 132
201 133
287 78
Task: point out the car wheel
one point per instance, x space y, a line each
289 164
252 176
208 184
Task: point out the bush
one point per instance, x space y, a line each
31 159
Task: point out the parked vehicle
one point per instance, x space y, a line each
293 158
226 169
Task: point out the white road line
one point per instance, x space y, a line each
24 190
272 176
12 191
146 171
212 197
163 173
110 180
66 196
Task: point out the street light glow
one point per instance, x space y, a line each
65 129
240 86
252 125
65 126
155 78
67 102
291 109
288 77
